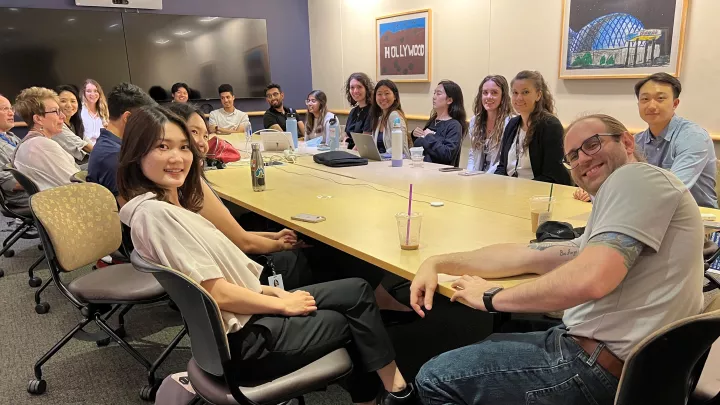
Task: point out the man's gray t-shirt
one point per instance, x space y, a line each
664 285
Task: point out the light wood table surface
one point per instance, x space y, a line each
361 220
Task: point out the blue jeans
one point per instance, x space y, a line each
517 368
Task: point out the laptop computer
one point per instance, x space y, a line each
276 141
367 147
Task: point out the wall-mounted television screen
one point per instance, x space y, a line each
41 47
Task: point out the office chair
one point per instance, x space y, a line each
664 368
23 231
78 234
79 177
210 368
26 216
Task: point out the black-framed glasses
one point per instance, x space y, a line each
56 112
590 147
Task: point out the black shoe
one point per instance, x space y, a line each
408 396
397 317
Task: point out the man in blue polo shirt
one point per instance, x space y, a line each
102 166
672 142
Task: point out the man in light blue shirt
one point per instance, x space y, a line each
672 142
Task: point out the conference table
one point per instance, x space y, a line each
360 204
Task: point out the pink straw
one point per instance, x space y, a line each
407 234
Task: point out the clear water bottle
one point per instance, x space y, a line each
397 144
248 132
291 126
334 133
257 168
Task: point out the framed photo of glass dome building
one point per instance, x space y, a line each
604 39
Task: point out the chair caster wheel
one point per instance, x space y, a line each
103 342
147 393
37 387
35 282
9 253
42 308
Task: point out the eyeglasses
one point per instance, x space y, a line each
590 147
310 102
273 95
56 112
5 110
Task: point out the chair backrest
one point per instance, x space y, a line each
29 185
672 358
5 208
208 341
78 223
79 177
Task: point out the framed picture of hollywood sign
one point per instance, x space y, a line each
404 46
621 39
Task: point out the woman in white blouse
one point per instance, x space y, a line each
493 110
71 137
383 113
318 116
271 331
95 110
37 156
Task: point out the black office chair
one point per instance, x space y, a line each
25 230
664 368
75 235
209 369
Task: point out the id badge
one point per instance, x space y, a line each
276 281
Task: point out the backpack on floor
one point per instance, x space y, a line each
175 389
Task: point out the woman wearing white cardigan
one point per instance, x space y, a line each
385 110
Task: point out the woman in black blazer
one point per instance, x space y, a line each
536 133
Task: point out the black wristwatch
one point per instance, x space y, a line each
488 297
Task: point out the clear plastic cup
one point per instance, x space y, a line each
540 210
416 155
409 230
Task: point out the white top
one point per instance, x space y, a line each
226 120
44 162
524 168
387 133
665 283
185 241
476 158
313 133
92 124
71 143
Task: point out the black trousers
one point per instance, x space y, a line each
318 264
270 346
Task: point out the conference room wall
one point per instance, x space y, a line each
473 38
287 32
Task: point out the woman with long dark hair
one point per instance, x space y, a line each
383 113
444 132
160 175
492 111
318 115
359 92
532 145
71 138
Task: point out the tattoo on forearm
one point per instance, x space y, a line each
630 248
567 248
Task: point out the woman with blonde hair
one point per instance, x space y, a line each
37 156
493 110
318 116
532 145
95 110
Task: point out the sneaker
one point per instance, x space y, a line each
408 396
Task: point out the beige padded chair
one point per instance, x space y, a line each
78 224
664 367
209 368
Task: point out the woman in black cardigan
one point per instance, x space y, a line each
536 133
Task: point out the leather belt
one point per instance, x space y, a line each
606 358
